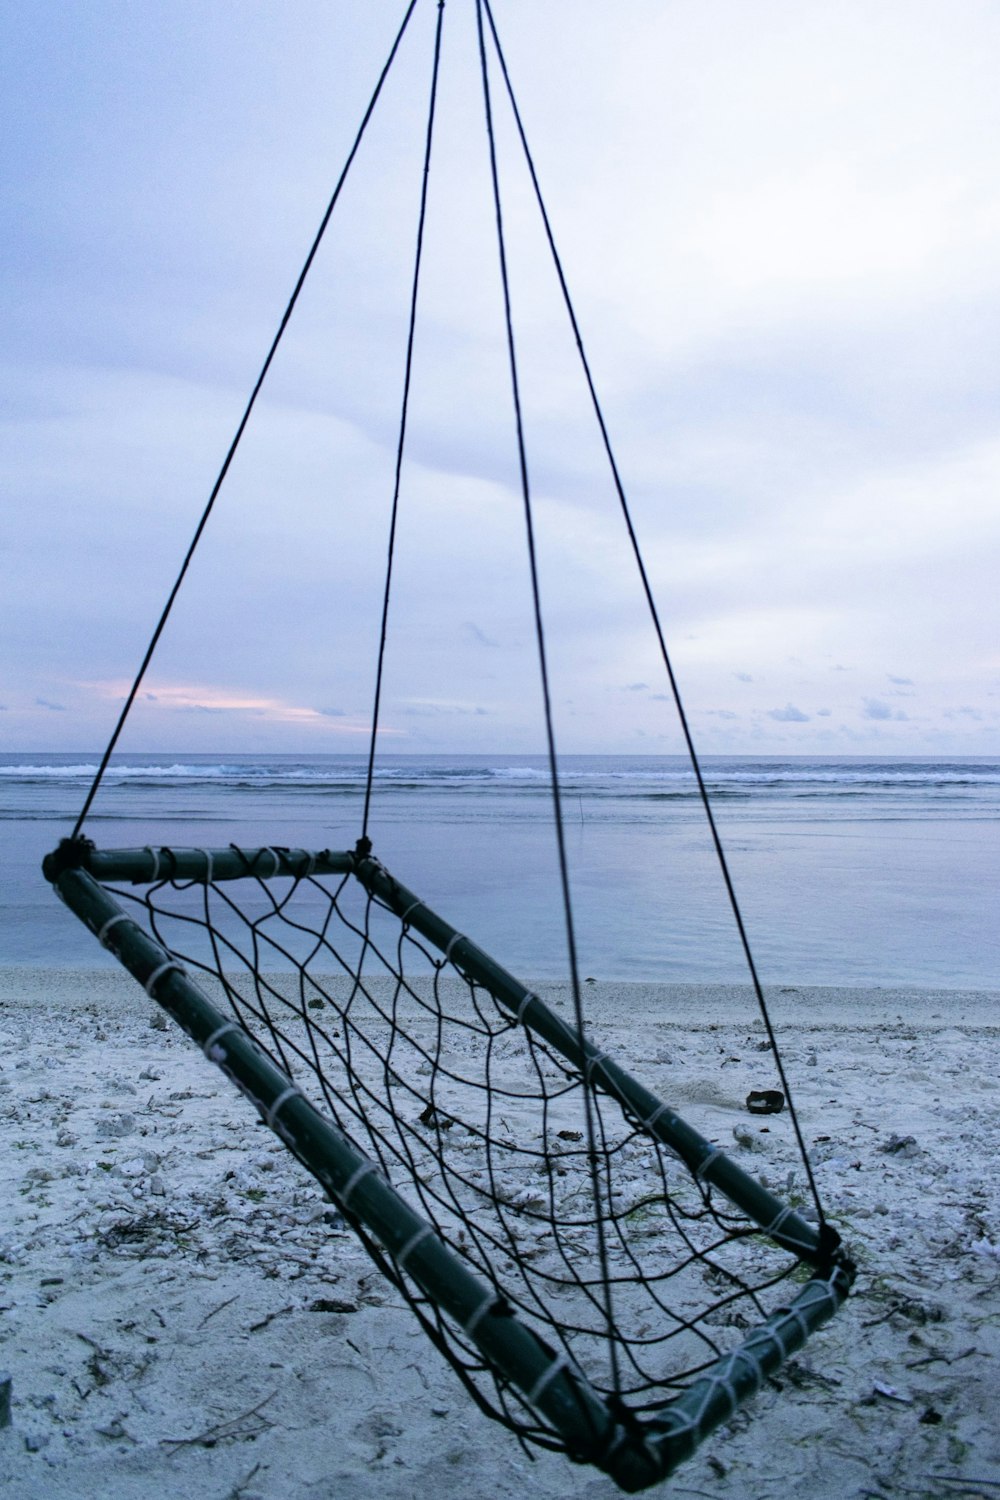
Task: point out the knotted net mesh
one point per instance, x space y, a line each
441 1077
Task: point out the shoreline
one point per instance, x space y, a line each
179 1319
799 1004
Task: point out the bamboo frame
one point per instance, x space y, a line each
636 1455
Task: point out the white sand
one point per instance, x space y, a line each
161 1258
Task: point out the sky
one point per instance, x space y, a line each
780 224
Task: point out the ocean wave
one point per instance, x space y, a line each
611 777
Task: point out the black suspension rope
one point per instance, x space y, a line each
654 614
154 641
404 413
547 704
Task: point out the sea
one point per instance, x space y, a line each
848 871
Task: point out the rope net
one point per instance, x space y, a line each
465 1091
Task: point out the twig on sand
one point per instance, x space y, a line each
936 1358
280 1313
218 1309
247 1424
237 1490
988 1484
92 1342
883 1317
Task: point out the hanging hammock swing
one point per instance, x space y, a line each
600 1277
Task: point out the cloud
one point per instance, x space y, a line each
59 708
210 698
788 715
429 708
767 295
874 708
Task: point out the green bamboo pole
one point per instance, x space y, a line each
147 866
717 1393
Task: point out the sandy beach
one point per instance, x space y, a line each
180 1317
